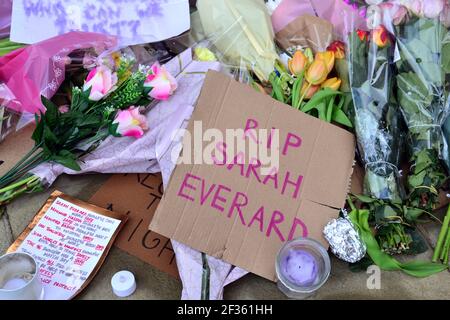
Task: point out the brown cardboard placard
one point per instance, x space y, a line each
228 212
14 147
138 196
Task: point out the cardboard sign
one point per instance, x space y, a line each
137 196
14 147
234 212
132 21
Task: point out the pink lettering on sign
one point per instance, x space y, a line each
292 140
223 198
249 130
186 185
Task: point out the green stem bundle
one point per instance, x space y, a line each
441 252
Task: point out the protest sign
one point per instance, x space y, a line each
237 211
132 21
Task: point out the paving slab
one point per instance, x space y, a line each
154 284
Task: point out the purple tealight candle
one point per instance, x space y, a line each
300 267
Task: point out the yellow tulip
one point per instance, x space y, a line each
308 91
317 72
332 83
298 63
328 58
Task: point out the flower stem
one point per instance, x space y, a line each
18 184
442 235
205 278
303 96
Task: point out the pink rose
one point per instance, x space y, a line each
393 12
433 8
445 16
101 80
131 123
161 82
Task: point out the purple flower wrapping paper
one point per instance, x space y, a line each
153 153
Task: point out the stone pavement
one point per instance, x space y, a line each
154 284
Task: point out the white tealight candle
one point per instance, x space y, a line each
14 284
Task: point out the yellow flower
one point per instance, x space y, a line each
328 58
308 91
317 72
332 83
204 54
298 63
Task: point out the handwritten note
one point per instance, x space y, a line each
67 243
132 21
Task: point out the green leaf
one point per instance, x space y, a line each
67 159
39 130
51 114
318 97
412 214
340 117
364 198
360 218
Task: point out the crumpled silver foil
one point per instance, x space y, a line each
344 240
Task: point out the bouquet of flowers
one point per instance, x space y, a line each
107 104
423 97
311 84
376 115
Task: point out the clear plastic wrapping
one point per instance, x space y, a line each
376 115
421 57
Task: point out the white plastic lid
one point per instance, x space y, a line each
123 284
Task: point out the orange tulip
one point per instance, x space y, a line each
332 83
298 63
380 36
338 47
308 91
328 58
317 72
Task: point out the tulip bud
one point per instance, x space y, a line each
328 58
298 63
332 83
380 36
363 35
317 72
308 91
338 47
309 54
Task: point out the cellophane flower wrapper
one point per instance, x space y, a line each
40 69
157 151
241 34
339 13
422 82
376 116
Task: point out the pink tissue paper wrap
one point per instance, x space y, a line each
153 153
344 17
39 69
